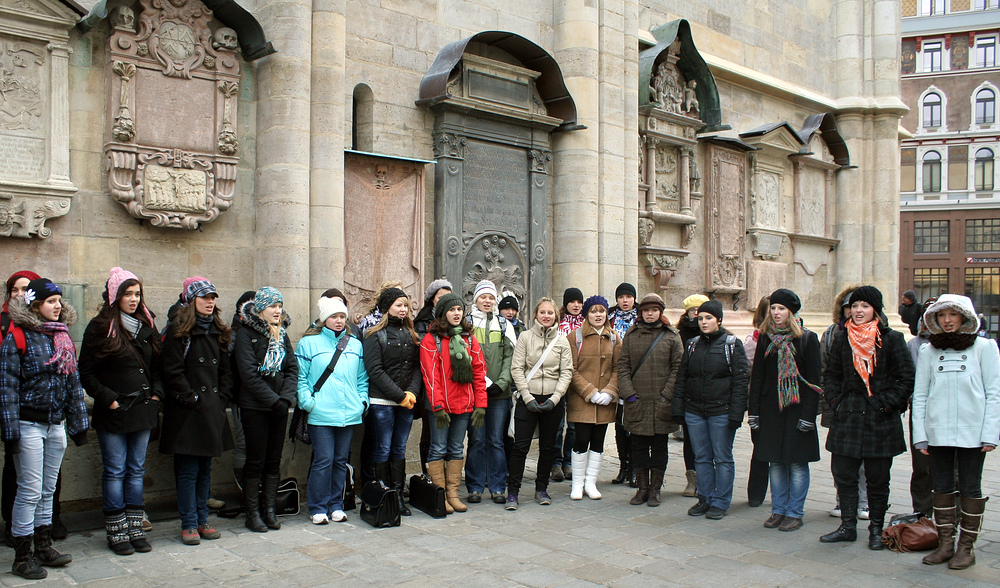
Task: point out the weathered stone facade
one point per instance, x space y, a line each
599 196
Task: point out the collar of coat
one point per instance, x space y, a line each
250 318
479 322
21 316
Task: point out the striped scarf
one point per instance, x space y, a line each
783 342
275 355
864 339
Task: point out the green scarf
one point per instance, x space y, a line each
788 371
461 360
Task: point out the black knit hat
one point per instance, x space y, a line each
625 288
572 294
40 289
869 294
712 307
788 299
508 302
388 297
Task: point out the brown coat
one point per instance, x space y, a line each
647 395
594 370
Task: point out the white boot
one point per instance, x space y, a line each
579 463
594 460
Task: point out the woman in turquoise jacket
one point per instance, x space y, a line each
956 421
335 406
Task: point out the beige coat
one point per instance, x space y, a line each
594 371
552 379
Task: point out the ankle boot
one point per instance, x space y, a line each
251 504
435 469
45 554
454 480
24 563
642 494
579 464
945 514
593 468
848 529
136 536
972 522
655 483
268 496
623 471
691 490
116 526
876 519
397 471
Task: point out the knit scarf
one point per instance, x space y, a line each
570 323
64 355
461 360
783 342
956 341
864 339
623 321
131 324
275 355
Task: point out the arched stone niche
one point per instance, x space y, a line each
496 98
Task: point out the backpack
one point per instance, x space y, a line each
19 339
730 345
578 335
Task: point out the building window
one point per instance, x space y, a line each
932 110
985 5
986 107
986 52
930 282
930 236
982 285
932 56
984 169
982 234
932 171
932 7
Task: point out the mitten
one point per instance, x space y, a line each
442 419
478 417
494 391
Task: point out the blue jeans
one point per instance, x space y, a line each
487 463
328 472
392 429
193 474
448 443
124 457
42 449
712 442
789 486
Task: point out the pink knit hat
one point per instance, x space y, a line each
117 277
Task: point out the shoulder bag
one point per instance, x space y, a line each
298 429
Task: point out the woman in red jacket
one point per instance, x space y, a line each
455 380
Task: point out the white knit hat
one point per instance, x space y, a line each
484 287
329 307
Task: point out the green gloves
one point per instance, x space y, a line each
442 419
478 417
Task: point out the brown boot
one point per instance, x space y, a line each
972 522
655 483
435 469
454 480
691 490
642 494
945 513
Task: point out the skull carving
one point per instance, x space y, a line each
225 38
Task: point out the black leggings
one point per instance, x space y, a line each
590 437
264 431
649 452
524 428
969 462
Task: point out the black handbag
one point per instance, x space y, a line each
379 505
427 496
350 503
287 500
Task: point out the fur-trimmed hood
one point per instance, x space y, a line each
960 304
21 316
838 303
250 318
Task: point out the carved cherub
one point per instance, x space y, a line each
690 98
225 38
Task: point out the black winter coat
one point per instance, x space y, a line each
395 370
707 385
196 381
778 439
261 391
687 328
864 426
131 378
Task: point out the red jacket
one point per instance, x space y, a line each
442 391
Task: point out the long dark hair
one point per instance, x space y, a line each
441 328
110 314
187 317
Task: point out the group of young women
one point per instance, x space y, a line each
483 376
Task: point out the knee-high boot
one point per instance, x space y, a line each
435 469
945 515
251 504
972 522
397 471
454 480
642 494
268 496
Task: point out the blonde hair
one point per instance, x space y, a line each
407 322
793 323
541 301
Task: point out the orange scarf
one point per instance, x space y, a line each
864 339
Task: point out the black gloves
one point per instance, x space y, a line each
806 426
494 391
754 422
532 406
547 405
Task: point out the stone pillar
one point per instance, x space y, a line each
326 150
281 257
576 159
630 243
651 143
685 182
59 115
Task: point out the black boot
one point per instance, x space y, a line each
116 527
24 562
623 471
45 554
269 494
251 504
848 530
136 536
876 521
397 470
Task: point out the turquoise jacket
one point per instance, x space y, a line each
343 398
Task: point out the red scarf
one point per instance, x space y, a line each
64 355
864 339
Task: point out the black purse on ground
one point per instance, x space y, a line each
427 496
379 505
287 500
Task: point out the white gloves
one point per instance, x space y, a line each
601 398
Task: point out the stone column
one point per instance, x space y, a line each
630 106
59 115
281 257
685 182
651 143
326 151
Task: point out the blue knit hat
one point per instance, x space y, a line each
265 297
595 300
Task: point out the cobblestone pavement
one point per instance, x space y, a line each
584 543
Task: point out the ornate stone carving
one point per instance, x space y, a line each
225 39
671 92
21 100
124 18
726 226
124 128
23 217
662 264
228 142
540 160
449 145
177 34
494 257
646 228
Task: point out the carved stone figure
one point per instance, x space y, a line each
125 18
20 86
690 98
225 39
646 228
177 34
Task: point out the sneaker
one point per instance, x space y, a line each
774 521
146 525
699 509
790 524
863 514
190 537
499 497
835 512
338 516
208 532
556 475
511 502
542 497
320 518
215 504
475 497
715 513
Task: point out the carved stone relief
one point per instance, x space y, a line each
671 92
811 206
172 162
724 211
766 200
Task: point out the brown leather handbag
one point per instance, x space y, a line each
904 537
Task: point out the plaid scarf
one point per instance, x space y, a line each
864 339
64 355
783 342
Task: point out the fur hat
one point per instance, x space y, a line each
508 302
842 301
40 289
330 306
572 294
447 302
625 288
484 287
196 287
388 298
652 299
960 304
265 297
712 307
433 288
595 300
869 294
693 301
788 299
